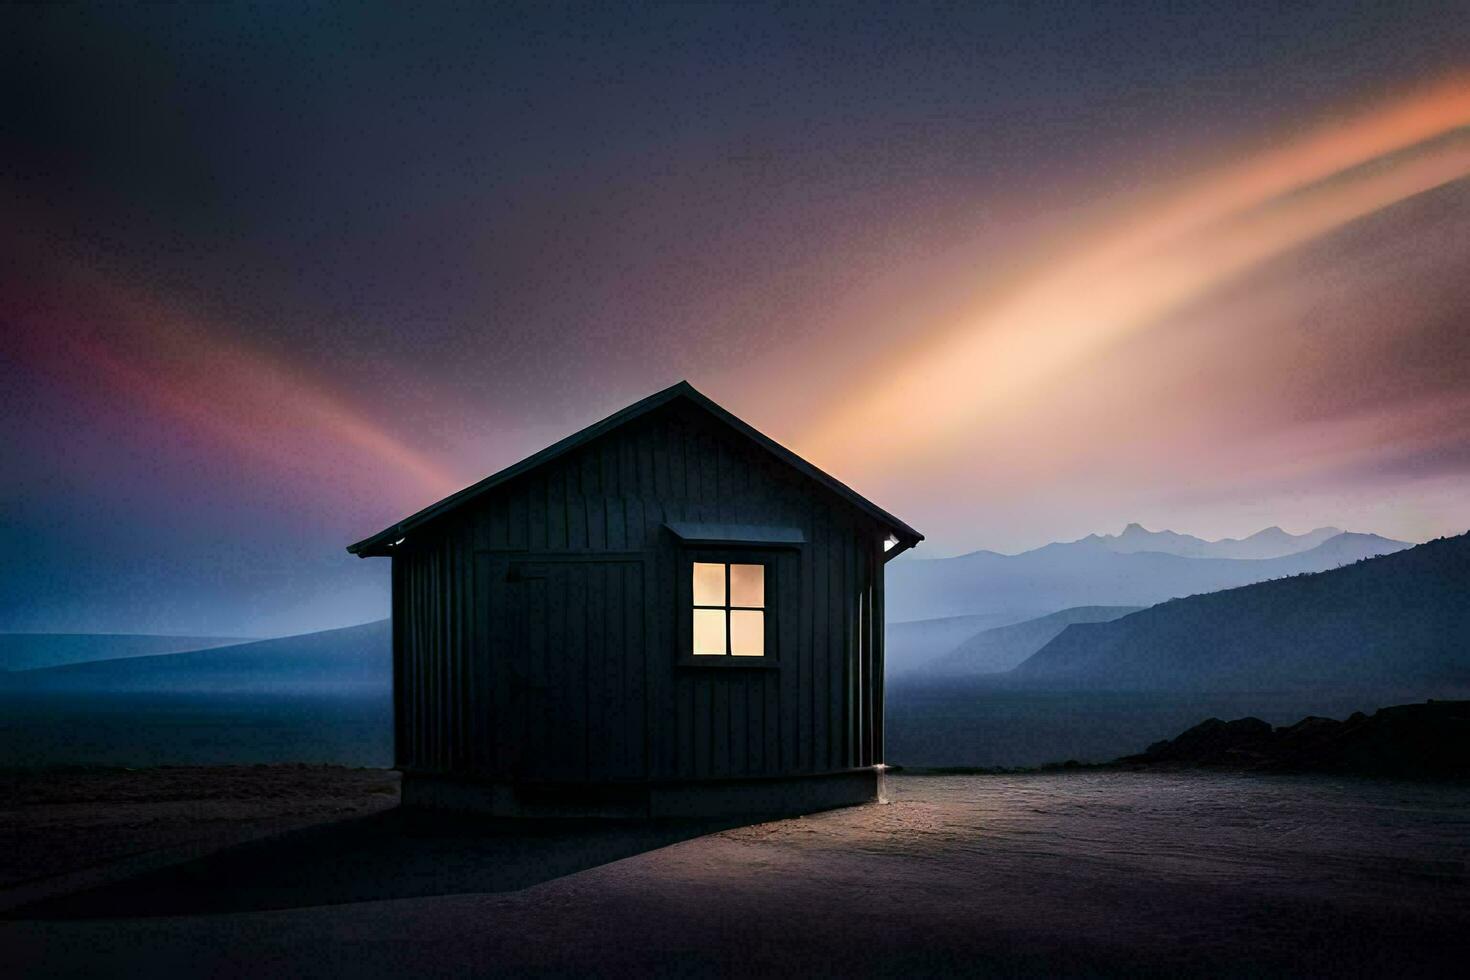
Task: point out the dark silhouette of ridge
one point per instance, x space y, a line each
1393 622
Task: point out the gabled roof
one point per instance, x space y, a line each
380 543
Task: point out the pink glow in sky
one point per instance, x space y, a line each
1018 275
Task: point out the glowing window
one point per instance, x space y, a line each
729 609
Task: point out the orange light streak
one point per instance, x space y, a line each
1126 277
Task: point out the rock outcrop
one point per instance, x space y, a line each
1430 740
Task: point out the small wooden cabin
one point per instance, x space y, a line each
666 613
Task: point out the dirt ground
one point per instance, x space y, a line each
1028 875
54 824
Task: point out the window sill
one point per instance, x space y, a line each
728 663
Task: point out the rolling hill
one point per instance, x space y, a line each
357 659
1090 572
1004 647
912 646
28 651
1399 622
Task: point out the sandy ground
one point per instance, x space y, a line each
1056 874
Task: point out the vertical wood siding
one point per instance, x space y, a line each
535 631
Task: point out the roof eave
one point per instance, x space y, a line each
902 546
370 547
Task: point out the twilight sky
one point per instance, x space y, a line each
273 279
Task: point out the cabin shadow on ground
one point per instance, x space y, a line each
399 853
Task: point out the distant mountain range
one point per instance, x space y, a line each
1003 647
1397 622
27 651
1094 572
1269 543
1099 680
991 613
357 659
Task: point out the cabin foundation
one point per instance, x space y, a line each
760 796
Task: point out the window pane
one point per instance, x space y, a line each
709 584
747 585
709 632
748 633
